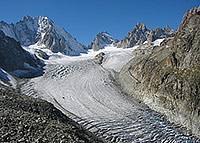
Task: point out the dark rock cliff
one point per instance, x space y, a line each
14 57
168 79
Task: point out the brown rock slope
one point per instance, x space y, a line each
25 119
168 79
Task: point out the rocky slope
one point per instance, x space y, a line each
101 40
13 57
42 30
140 33
168 79
25 119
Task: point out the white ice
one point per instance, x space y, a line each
88 93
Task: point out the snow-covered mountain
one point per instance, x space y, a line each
101 40
140 33
42 30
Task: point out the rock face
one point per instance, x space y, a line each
25 119
139 34
101 40
168 79
41 54
42 30
99 58
188 14
14 57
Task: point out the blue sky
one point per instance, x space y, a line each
83 19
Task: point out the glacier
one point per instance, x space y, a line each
89 94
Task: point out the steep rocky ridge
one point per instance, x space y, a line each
168 79
42 30
140 33
13 57
101 40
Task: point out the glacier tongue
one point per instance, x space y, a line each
89 93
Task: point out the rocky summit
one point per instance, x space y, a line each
42 31
140 33
101 40
168 79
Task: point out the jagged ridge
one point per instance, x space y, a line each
140 33
101 40
42 30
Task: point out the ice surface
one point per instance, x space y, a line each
88 93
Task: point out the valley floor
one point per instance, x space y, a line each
88 93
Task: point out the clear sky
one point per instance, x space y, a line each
83 19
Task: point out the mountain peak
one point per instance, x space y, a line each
27 17
140 25
104 32
189 14
167 28
42 30
43 18
140 33
101 40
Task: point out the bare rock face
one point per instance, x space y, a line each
101 40
159 33
168 79
189 14
99 58
140 33
135 37
14 57
41 54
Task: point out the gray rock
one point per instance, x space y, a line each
167 79
139 34
41 54
99 58
101 40
42 30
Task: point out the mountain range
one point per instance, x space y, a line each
42 31
165 76
138 35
